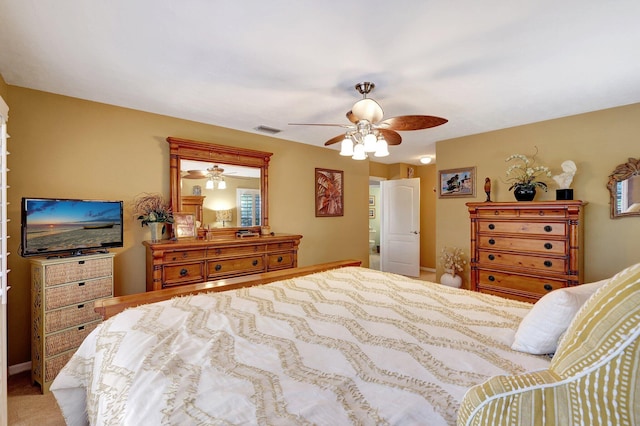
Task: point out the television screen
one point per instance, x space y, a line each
72 227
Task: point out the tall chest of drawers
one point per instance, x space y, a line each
523 250
62 294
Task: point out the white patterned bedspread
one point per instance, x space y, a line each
347 346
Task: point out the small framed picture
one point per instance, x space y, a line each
372 200
372 213
184 225
329 193
457 182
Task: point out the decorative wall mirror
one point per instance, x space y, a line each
624 187
225 187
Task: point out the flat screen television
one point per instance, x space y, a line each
68 227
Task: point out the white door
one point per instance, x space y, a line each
400 227
4 270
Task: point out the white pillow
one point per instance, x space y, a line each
540 330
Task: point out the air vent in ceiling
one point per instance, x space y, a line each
267 129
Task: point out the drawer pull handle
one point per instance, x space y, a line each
540 213
492 278
548 246
279 259
496 212
492 226
492 257
548 228
255 262
183 272
492 241
184 255
80 306
81 262
80 284
81 328
548 263
218 251
218 267
548 287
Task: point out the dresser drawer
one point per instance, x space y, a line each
54 365
518 227
494 242
286 245
60 273
69 339
76 293
538 213
493 259
182 255
280 260
182 273
69 317
234 251
217 268
520 283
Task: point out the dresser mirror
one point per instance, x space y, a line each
225 187
624 187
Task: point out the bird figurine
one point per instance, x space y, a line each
487 189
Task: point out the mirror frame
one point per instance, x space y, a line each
185 149
622 172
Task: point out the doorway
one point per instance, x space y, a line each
374 222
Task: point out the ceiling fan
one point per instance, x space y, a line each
214 176
368 133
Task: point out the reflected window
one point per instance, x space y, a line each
249 207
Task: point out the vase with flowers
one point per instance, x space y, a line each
525 176
152 210
453 261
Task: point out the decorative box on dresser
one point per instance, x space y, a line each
523 250
178 262
63 292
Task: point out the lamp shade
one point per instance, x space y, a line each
223 215
346 148
382 148
358 152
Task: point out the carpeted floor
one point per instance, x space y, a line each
27 406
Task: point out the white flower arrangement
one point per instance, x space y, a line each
452 259
525 173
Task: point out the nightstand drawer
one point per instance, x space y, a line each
69 317
183 273
79 270
518 227
217 268
530 245
80 292
492 259
65 340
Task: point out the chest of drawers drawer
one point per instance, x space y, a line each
495 259
77 270
518 227
183 273
280 260
184 255
533 285
227 267
75 293
235 251
531 245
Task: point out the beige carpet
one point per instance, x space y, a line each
27 406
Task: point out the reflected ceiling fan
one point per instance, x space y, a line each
214 176
368 133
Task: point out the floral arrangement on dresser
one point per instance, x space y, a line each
525 172
452 260
152 208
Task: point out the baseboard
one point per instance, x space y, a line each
424 268
19 368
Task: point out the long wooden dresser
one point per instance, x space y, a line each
63 292
173 263
523 250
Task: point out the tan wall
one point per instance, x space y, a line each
597 142
4 89
65 147
428 197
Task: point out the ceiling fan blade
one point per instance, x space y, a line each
392 137
347 126
412 122
337 139
195 174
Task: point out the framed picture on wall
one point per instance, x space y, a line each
329 193
184 225
457 182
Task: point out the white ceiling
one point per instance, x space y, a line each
483 65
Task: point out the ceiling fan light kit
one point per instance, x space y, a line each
426 159
368 134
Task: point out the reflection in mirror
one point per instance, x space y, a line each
624 187
228 195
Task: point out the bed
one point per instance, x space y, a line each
347 345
